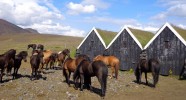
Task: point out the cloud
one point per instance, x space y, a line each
86 6
79 8
174 8
37 14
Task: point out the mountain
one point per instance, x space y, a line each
31 30
9 28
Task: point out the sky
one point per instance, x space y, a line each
78 17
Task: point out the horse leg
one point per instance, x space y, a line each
14 73
116 71
1 75
81 81
181 72
112 71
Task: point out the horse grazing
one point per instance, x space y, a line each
70 65
5 59
183 69
61 56
145 66
17 62
85 70
35 61
110 61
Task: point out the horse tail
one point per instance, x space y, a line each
76 72
104 79
156 67
116 69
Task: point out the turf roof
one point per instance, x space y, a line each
107 36
181 31
142 36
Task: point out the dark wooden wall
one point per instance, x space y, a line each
126 49
169 50
92 46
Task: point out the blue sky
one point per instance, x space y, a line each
77 17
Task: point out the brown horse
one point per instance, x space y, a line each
145 66
70 65
110 61
86 69
35 61
5 59
46 58
62 55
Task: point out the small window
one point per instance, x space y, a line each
167 44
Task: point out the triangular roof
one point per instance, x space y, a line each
142 36
107 36
160 31
130 33
93 29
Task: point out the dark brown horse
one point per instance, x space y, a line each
85 70
183 69
110 61
5 59
145 66
35 61
33 46
40 47
62 55
70 66
17 62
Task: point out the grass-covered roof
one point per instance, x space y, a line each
107 36
181 31
142 36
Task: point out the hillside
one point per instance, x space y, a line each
53 42
9 28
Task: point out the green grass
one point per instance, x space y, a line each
181 31
142 36
107 36
55 43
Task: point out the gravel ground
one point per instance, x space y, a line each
51 86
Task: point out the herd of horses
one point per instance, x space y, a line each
82 67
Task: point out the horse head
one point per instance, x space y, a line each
66 52
33 46
24 55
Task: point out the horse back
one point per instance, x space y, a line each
70 64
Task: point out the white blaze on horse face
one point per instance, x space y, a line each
35 53
59 52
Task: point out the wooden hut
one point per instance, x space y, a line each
94 43
168 45
127 46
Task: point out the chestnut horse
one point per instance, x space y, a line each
145 66
86 69
4 61
110 61
62 55
70 65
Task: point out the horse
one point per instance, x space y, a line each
110 61
52 59
33 46
62 55
40 47
151 65
35 61
86 69
46 58
17 62
70 65
183 69
4 61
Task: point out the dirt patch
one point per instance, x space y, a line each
51 86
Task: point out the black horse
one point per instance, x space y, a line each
35 61
17 62
40 47
5 59
85 70
33 46
183 69
145 66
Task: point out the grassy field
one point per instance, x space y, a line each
55 43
